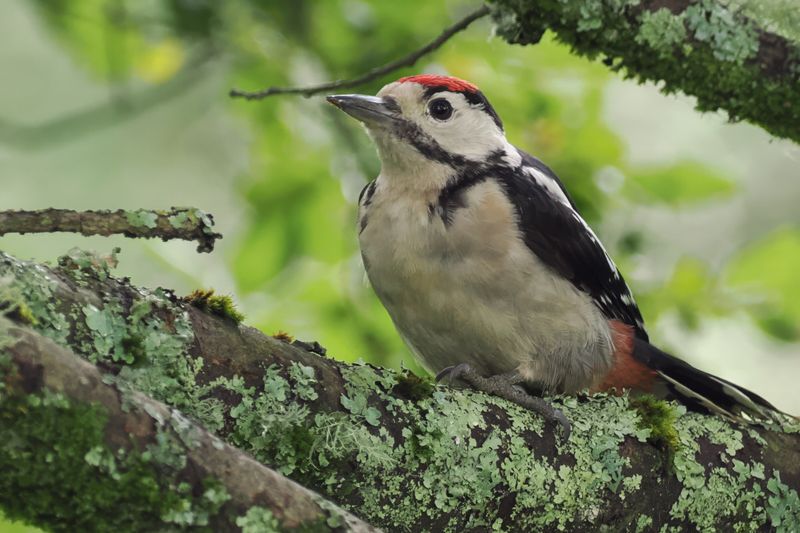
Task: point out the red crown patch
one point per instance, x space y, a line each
448 82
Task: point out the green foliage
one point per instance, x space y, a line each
679 185
774 299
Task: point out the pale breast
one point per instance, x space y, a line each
465 288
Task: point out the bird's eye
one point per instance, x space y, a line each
440 109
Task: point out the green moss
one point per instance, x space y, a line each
658 417
12 303
59 474
708 51
414 387
222 306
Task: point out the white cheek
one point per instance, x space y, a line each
470 133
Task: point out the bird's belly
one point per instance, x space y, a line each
497 308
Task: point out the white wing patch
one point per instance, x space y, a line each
549 185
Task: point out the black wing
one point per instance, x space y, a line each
556 233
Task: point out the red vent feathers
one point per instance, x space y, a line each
451 84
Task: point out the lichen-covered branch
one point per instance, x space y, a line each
704 48
129 463
397 450
183 223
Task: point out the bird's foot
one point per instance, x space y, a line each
506 386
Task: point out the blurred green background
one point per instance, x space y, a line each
123 104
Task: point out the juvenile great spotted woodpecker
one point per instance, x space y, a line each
489 272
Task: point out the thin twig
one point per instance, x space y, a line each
405 61
188 224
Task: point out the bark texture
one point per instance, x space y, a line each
184 223
395 449
147 456
704 48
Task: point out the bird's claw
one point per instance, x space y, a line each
506 386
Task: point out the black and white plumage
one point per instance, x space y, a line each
479 255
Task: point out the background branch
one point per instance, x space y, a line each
188 224
372 74
707 49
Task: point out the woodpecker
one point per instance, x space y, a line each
489 272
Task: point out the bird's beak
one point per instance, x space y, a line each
371 110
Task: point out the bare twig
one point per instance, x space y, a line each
188 224
405 61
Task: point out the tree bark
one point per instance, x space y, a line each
393 448
225 486
704 48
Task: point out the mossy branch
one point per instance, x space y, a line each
183 223
394 448
130 463
704 48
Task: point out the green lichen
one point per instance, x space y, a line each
142 218
268 424
783 505
643 523
258 520
180 219
731 39
441 459
149 335
733 496
661 31
220 305
708 50
36 287
154 352
82 265
304 380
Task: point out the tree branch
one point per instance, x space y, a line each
405 61
143 444
188 224
704 48
398 450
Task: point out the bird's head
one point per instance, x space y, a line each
427 119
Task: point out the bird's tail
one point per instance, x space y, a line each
705 392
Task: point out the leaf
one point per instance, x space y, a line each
679 184
767 273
